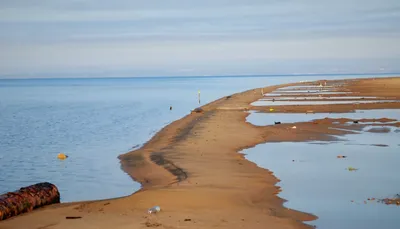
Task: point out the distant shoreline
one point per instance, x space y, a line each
51 76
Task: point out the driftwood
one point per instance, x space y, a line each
28 198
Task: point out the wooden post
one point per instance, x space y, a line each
199 95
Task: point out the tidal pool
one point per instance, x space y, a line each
323 102
263 119
315 180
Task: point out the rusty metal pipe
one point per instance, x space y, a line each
28 198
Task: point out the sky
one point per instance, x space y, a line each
56 38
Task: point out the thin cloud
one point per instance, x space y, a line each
178 34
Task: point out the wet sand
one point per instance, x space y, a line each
193 171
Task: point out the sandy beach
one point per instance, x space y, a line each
193 170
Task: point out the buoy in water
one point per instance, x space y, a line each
62 156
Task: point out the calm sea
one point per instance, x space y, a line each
93 121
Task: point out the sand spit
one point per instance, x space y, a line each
193 171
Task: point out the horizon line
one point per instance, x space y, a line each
203 76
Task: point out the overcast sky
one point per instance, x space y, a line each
208 37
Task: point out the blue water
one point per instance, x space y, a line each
318 182
314 180
264 119
93 121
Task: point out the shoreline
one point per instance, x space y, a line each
193 168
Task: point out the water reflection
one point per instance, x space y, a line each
327 102
317 98
314 180
262 119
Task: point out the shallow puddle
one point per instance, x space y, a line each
282 98
302 91
288 103
263 119
380 129
304 86
283 93
340 191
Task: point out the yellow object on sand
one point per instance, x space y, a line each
62 156
271 109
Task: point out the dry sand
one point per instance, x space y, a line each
193 171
